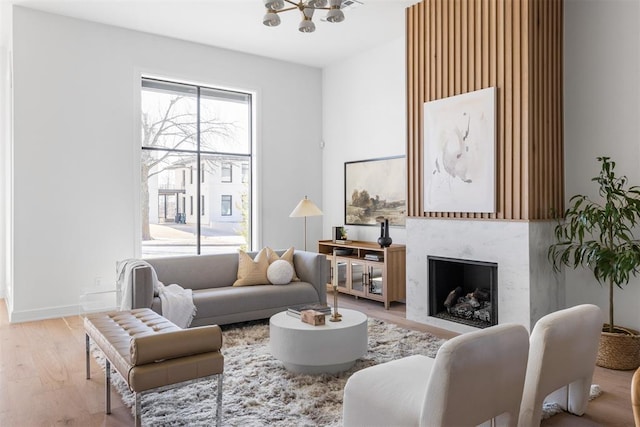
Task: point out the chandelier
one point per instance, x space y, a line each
306 8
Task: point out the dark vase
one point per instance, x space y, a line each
384 240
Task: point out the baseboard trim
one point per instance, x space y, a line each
17 316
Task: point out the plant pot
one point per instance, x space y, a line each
619 350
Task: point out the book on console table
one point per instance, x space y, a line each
374 257
343 242
295 310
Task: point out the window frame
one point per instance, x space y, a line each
246 156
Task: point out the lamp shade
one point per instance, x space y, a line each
305 208
317 3
274 4
335 15
306 26
271 19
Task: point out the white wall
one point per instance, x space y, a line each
602 118
5 148
76 149
364 114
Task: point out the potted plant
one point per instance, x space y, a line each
599 235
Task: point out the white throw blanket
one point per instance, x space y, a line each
125 280
177 302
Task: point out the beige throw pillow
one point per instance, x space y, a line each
252 271
287 256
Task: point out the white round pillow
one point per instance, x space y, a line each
280 272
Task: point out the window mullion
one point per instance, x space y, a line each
200 172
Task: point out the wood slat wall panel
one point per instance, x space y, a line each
535 108
559 94
458 46
524 82
504 192
511 180
421 46
411 126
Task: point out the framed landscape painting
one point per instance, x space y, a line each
374 189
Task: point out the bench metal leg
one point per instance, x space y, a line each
86 339
219 402
107 373
138 396
138 409
107 384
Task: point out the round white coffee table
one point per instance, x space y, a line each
308 349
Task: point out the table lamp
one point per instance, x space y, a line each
305 208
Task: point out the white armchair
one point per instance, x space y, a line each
562 357
475 377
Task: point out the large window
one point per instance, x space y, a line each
201 131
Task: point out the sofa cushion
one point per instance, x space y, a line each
223 301
197 271
252 271
287 256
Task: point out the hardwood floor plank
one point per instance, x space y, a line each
16 360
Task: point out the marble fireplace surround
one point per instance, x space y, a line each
527 286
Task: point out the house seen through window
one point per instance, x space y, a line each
192 130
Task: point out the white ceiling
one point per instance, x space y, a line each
237 25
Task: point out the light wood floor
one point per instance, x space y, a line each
42 378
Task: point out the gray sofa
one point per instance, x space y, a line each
218 302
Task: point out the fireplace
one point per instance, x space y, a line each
527 286
463 291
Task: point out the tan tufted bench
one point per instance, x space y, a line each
153 354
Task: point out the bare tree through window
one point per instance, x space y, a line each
189 130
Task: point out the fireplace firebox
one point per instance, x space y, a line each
463 291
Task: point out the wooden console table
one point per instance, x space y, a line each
364 269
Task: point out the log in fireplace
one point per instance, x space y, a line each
463 291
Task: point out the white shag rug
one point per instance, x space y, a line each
258 391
